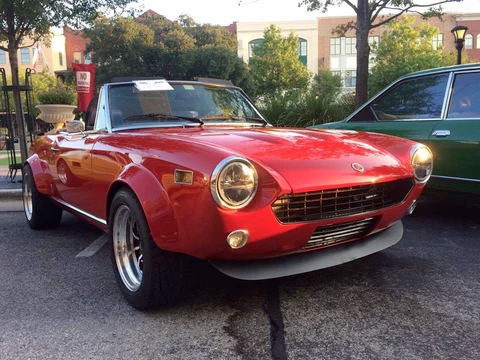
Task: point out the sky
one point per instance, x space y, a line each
225 12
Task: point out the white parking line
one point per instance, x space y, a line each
92 249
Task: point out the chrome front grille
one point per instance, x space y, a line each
334 234
336 203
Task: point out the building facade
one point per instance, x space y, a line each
52 57
339 53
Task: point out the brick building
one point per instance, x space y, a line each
339 53
75 45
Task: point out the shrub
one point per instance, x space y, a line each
299 108
57 95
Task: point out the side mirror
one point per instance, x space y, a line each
75 126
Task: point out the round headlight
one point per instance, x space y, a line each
422 163
234 183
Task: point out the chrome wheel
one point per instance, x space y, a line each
27 197
127 248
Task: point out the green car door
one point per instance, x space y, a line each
457 137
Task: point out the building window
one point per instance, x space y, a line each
334 46
3 57
350 78
302 51
60 59
77 57
478 41
251 45
336 73
437 41
88 58
469 41
350 45
373 40
25 56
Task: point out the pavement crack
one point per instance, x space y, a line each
277 328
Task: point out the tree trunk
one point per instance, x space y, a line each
363 53
22 138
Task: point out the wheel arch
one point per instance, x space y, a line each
41 175
153 200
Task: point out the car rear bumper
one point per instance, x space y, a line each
312 260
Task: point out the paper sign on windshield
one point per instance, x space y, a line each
152 85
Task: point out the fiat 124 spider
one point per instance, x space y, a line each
179 169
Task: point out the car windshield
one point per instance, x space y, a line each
180 104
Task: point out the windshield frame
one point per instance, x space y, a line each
176 123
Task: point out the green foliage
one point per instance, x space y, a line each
57 95
301 108
275 65
371 14
153 46
212 35
116 45
404 49
326 85
33 18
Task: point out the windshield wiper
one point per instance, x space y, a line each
235 117
163 116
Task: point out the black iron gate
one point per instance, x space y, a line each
8 120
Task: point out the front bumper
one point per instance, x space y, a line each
312 260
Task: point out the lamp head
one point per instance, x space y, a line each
459 33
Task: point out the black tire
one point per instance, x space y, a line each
40 211
162 277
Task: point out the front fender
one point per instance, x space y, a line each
41 175
154 201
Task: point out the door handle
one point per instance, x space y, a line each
441 133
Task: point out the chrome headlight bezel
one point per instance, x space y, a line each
215 182
417 150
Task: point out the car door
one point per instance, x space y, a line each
456 139
72 172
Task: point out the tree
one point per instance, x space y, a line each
405 48
275 65
220 63
369 16
154 46
212 35
326 85
116 45
30 20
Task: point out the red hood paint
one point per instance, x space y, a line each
306 158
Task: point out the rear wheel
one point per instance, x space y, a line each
40 211
148 277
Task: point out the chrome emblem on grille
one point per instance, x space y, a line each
358 167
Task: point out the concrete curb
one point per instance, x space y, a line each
10 194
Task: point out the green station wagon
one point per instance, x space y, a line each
439 108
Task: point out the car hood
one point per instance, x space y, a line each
305 159
309 158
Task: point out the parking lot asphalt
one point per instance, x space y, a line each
415 300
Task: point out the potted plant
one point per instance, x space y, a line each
56 106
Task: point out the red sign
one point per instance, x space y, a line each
84 75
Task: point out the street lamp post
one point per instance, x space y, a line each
459 34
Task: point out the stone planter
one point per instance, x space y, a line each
56 114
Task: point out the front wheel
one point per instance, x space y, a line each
40 211
148 277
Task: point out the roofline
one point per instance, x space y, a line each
442 69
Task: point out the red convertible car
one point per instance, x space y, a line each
173 169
